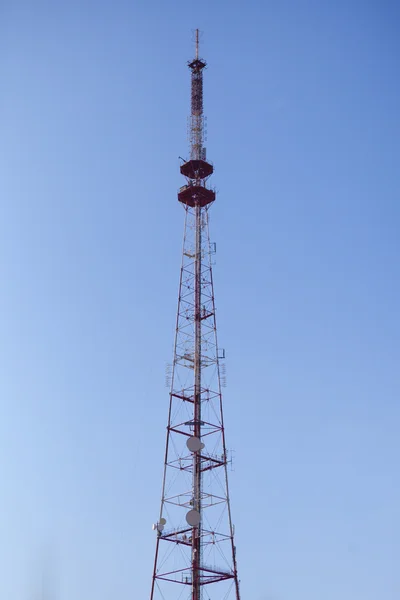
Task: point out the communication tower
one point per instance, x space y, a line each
195 557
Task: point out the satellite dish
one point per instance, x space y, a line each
193 518
194 444
154 527
163 521
202 446
160 527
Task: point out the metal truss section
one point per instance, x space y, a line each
214 534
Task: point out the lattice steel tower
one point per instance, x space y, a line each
195 536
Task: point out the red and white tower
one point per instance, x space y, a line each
195 556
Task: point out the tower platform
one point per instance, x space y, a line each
195 195
197 169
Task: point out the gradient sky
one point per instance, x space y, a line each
302 99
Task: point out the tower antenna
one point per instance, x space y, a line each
195 534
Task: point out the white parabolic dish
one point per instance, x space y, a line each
194 444
193 518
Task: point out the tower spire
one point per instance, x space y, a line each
195 535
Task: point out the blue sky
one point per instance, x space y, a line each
302 102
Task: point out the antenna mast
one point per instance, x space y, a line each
195 535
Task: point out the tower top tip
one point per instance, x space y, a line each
197 63
197 44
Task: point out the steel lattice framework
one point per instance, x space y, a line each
195 536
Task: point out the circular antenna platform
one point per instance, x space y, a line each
193 518
194 444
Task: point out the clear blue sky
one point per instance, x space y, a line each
302 99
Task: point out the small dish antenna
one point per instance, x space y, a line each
193 517
194 444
